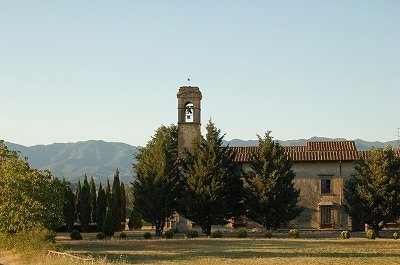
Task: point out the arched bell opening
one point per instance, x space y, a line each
189 112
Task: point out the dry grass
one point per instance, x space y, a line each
242 251
230 251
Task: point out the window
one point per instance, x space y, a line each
326 214
325 186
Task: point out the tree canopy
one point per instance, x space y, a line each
271 198
212 191
372 196
28 197
156 189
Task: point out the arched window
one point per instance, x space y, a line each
189 112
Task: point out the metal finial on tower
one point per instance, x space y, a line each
189 80
398 137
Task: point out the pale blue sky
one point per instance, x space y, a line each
110 70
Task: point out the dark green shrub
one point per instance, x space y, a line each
241 233
396 235
268 234
100 235
169 234
216 234
370 234
293 233
147 235
345 234
192 233
122 235
75 235
109 225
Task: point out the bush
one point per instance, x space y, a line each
147 235
268 234
169 234
100 235
75 235
370 234
192 233
345 234
122 235
396 235
241 233
293 233
216 234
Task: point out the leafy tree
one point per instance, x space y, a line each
92 188
100 207
28 197
156 188
372 196
69 205
85 205
212 192
271 198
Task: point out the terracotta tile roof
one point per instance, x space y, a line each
313 151
331 146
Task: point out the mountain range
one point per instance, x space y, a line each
100 159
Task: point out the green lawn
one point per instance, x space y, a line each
248 251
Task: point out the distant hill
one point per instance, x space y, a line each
100 159
72 160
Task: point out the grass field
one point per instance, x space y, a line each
254 250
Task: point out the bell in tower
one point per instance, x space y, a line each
189 122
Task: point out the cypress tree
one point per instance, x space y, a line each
69 205
108 195
78 202
92 186
85 205
123 196
100 207
109 223
116 201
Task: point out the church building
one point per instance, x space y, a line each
321 168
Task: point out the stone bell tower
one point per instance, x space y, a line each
189 117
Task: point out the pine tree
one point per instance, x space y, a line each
92 187
213 185
69 205
271 198
156 189
100 207
372 196
85 205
